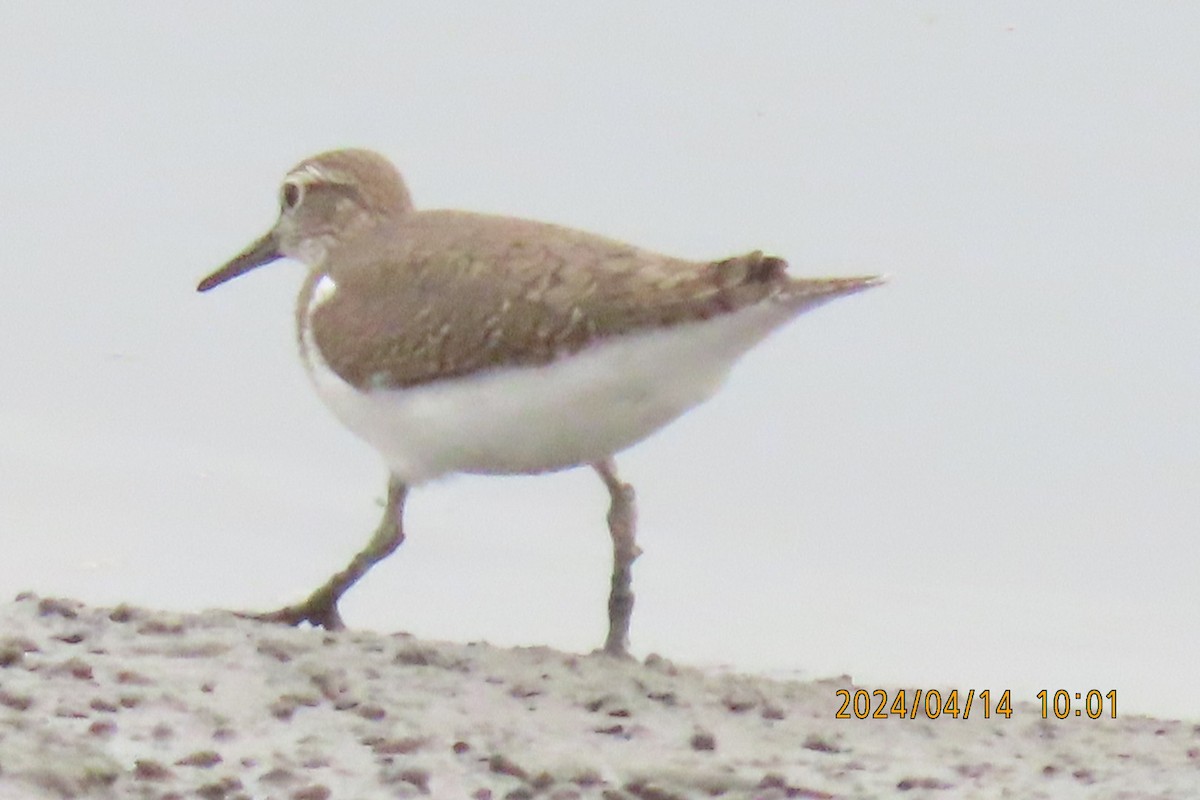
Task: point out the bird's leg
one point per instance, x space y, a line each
320 608
622 526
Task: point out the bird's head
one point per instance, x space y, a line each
324 202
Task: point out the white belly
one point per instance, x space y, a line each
577 410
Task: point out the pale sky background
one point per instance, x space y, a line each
984 475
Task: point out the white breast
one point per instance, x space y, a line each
576 410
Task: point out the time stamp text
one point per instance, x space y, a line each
933 704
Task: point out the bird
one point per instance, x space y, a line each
455 342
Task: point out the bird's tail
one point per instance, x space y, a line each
802 294
752 278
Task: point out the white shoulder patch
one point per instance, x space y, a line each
325 289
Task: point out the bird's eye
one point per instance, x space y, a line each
289 196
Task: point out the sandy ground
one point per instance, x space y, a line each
126 702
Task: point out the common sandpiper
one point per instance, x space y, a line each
455 342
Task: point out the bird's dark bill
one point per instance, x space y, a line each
264 251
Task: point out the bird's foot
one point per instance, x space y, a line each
319 610
617 651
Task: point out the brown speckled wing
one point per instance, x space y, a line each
449 293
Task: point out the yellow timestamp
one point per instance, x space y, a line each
931 703
1092 703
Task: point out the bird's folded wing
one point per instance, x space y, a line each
463 292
